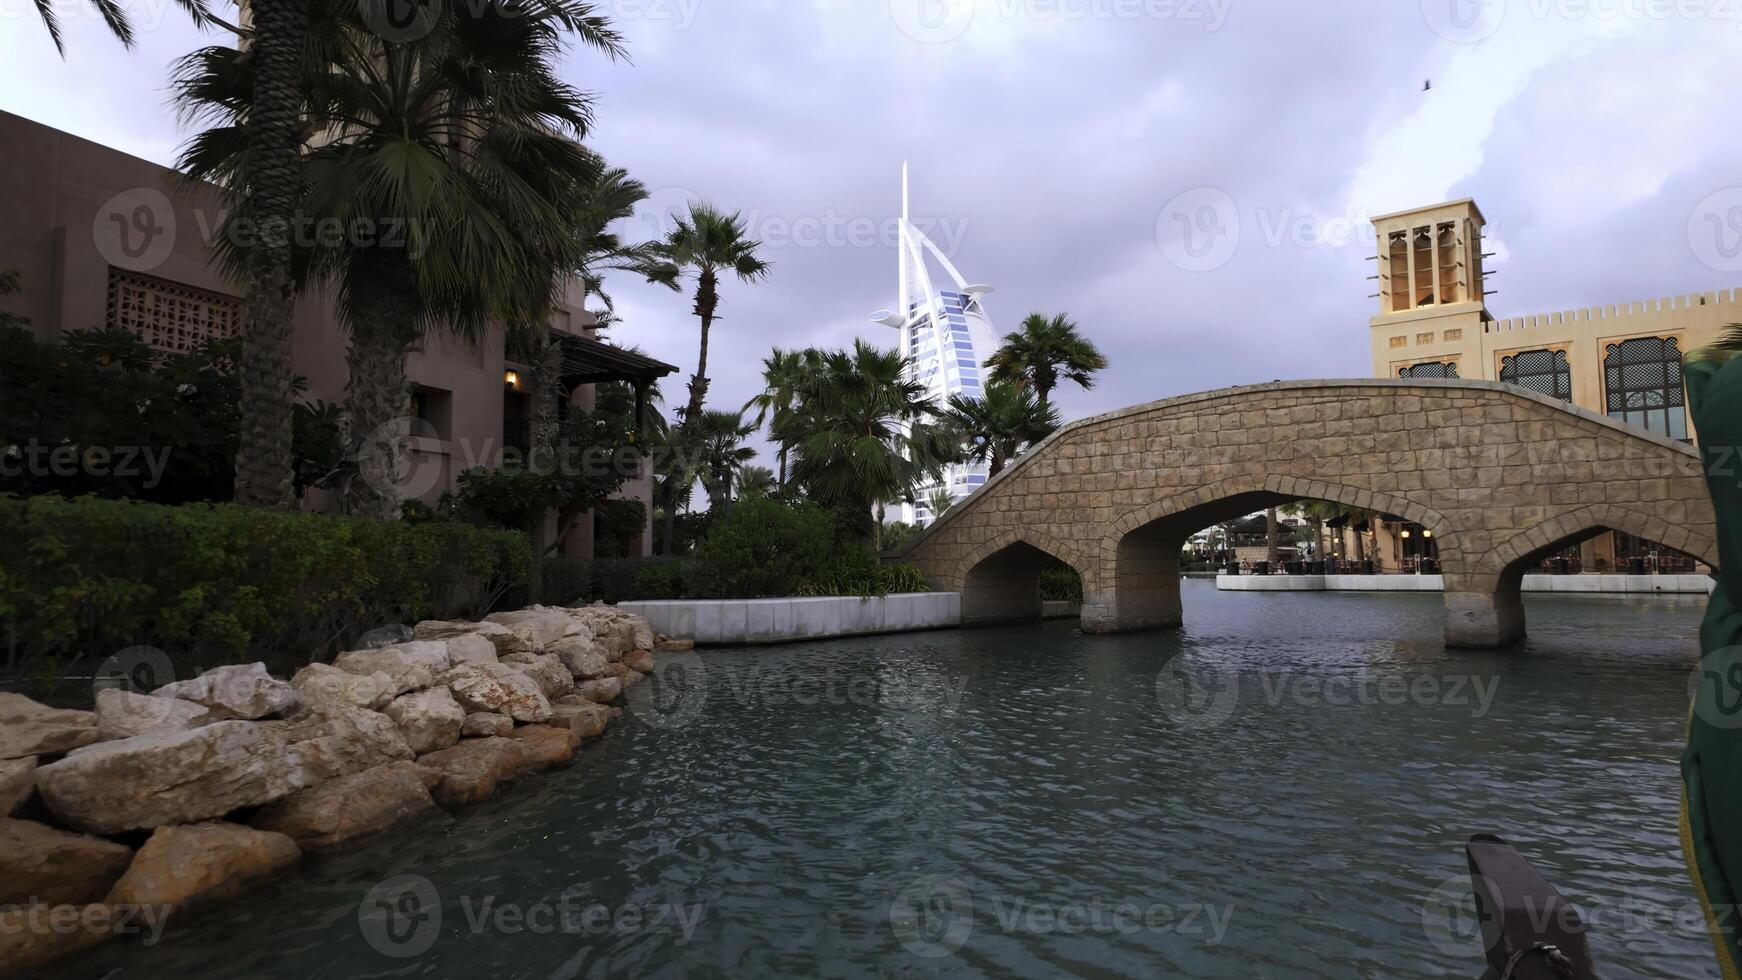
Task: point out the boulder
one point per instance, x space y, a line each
438 630
182 777
546 671
542 626
602 691
31 937
640 661
28 728
123 714
627 674
583 719
385 636
666 644
241 691
547 745
52 867
17 782
429 720
412 666
350 807
324 682
186 865
471 770
498 688
471 648
483 724
582 657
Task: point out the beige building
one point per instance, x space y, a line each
1621 360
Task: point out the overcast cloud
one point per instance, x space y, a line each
1062 149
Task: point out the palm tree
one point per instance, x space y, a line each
995 429
755 481
706 243
783 374
115 16
456 148
939 501
869 434
1044 351
722 455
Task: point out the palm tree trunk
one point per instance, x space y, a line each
375 405
263 450
707 302
1273 552
546 390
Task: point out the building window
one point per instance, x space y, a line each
1397 342
1433 369
1424 338
1545 372
1643 383
1451 335
169 316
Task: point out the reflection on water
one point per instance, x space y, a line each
1281 789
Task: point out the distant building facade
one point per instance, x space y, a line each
101 238
1624 361
947 336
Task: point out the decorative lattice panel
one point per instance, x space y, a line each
169 316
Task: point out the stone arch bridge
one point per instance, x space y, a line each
1502 476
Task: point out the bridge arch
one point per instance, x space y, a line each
1000 579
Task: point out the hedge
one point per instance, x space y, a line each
216 583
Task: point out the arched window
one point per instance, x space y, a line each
1643 382
1437 369
1545 372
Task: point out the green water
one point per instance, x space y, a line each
1279 790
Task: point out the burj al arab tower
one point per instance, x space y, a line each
945 335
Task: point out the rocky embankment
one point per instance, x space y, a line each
157 802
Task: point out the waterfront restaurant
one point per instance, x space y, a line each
101 238
1624 361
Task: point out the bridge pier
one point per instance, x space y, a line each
1484 620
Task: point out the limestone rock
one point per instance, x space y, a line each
385 636
582 718
627 674
412 666
471 648
666 644
640 661
17 782
542 626
53 867
351 806
30 938
182 777
473 769
324 682
124 714
241 691
28 728
494 633
498 688
547 671
483 724
184 865
429 720
547 745
602 691
583 657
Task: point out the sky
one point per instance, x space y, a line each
1189 180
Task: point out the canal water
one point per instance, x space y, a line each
1282 789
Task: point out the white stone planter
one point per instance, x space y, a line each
1587 584
758 621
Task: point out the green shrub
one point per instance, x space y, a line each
761 548
1061 584
566 581
662 580
617 527
211 584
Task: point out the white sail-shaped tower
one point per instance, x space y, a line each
947 337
